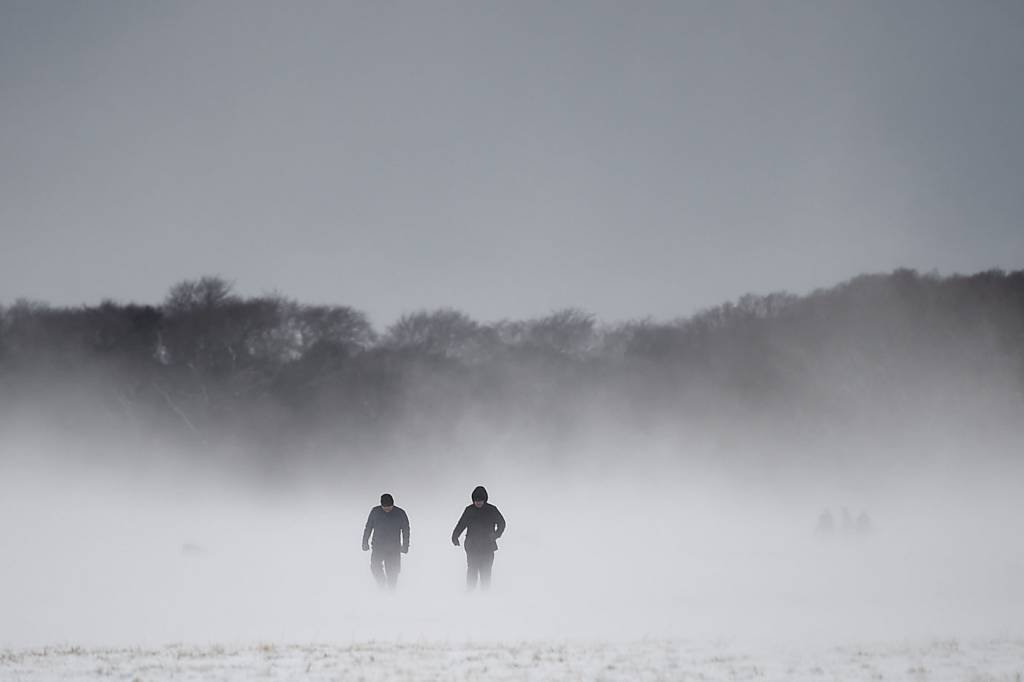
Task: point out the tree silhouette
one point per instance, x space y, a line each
209 367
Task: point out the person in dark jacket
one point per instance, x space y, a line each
389 526
483 524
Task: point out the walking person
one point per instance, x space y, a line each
389 526
483 524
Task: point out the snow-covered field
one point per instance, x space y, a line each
696 582
993 660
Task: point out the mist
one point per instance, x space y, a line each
841 467
650 550
721 301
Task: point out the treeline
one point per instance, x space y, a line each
274 377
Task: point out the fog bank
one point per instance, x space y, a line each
168 555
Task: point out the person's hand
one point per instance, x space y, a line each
455 541
405 550
366 547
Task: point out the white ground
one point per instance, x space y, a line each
982 660
706 580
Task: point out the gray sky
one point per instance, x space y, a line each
505 158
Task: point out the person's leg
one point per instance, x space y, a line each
472 570
393 566
376 567
486 562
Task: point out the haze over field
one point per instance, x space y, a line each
659 479
721 301
95 558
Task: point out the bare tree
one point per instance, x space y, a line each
198 294
443 332
569 331
319 324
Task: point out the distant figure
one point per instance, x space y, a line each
483 524
826 524
190 549
864 525
848 525
389 526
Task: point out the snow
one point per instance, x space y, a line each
982 660
699 582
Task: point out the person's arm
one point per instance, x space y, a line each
459 527
500 523
405 533
367 531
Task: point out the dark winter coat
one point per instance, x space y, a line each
483 526
390 529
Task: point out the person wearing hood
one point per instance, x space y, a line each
389 526
483 524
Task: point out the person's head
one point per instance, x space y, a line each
387 503
479 496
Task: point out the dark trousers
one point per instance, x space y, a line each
478 565
386 564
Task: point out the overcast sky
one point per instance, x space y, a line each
505 158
